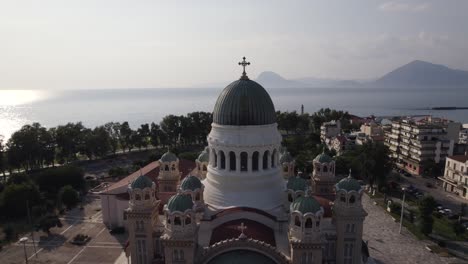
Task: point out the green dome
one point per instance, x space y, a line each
204 155
297 184
142 182
191 183
306 204
168 157
286 158
180 202
323 158
348 184
244 103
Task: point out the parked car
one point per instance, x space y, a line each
448 211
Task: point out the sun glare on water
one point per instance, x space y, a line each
19 97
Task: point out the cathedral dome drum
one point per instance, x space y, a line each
142 182
204 155
297 184
323 158
286 158
168 157
244 103
180 203
306 204
191 183
348 184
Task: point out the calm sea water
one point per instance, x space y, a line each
137 106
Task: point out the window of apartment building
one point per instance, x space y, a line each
455 166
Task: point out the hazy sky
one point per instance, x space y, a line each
68 44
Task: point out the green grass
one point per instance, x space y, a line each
444 228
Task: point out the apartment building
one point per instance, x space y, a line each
411 142
455 177
329 130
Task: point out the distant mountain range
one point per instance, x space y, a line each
420 73
414 74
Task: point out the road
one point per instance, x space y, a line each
447 199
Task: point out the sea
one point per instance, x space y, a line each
138 106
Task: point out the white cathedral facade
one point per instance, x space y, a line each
245 204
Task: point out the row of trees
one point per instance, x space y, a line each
34 146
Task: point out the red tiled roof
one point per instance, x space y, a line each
255 230
152 171
459 158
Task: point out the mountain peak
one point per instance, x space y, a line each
423 73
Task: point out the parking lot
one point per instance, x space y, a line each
56 247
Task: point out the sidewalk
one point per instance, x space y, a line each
387 246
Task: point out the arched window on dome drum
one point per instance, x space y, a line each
137 197
244 158
285 168
265 159
197 197
215 161
204 167
325 169
273 159
223 160
308 223
232 161
290 198
147 196
188 220
297 221
255 161
352 199
177 221
173 167
166 167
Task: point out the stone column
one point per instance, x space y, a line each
238 162
249 162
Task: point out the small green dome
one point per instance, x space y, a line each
305 204
168 157
204 155
180 202
348 184
297 184
286 158
142 182
323 158
244 103
191 183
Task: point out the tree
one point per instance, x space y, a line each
113 129
126 136
155 133
144 135
2 158
47 222
68 196
51 180
430 168
14 197
426 206
69 140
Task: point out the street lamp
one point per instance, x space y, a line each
402 209
24 240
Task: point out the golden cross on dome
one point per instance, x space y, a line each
244 63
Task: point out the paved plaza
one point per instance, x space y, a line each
387 246
103 248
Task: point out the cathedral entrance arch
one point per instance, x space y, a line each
242 250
